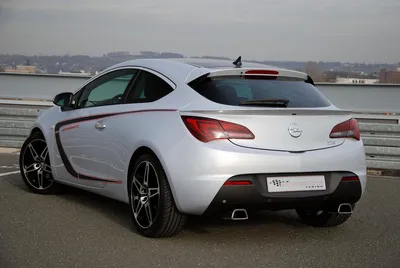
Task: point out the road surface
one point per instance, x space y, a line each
79 229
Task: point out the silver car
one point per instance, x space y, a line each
173 138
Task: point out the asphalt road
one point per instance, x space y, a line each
78 229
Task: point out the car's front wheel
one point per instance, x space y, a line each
34 163
152 207
322 218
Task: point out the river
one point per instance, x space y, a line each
377 97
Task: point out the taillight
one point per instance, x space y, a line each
206 129
347 129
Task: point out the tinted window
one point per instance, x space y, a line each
235 90
148 87
107 89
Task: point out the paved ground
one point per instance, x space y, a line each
78 229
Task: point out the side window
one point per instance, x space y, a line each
107 89
148 87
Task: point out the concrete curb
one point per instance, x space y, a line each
8 150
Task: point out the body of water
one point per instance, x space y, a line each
355 97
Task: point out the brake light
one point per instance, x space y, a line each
261 72
230 183
206 129
347 129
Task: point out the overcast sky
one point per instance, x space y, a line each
328 30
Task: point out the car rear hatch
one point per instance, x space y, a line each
283 112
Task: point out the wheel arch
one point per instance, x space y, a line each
45 131
35 130
143 150
47 136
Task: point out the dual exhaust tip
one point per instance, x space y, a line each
345 208
240 214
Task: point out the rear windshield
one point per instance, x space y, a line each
236 90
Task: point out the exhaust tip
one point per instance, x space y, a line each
239 214
345 208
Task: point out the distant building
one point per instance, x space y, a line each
389 76
22 69
346 80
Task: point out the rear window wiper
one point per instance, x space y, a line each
267 102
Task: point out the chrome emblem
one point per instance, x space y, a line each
294 130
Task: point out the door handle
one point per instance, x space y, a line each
100 125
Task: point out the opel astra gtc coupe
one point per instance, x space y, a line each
173 138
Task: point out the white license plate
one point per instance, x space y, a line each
296 184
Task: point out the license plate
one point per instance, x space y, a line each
296 184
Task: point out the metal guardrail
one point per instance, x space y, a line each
381 137
380 131
16 121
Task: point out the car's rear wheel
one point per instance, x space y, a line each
34 163
152 207
322 218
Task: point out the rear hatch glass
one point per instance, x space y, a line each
281 91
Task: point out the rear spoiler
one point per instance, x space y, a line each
195 77
257 72
200 74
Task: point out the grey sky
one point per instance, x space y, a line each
329 30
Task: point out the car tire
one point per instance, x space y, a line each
322 218
153 216
35 168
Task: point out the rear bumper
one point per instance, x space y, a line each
257 197
197 171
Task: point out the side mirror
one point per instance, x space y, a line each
63 99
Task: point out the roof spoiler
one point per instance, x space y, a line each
197 74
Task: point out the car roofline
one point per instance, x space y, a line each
187 69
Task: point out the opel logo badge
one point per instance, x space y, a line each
294 130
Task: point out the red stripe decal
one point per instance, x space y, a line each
70 128
75 122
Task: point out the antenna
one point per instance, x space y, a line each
238 62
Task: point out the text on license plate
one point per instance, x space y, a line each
296 183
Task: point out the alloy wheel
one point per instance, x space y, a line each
145 194
36 165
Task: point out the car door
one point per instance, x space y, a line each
126 128
84 142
